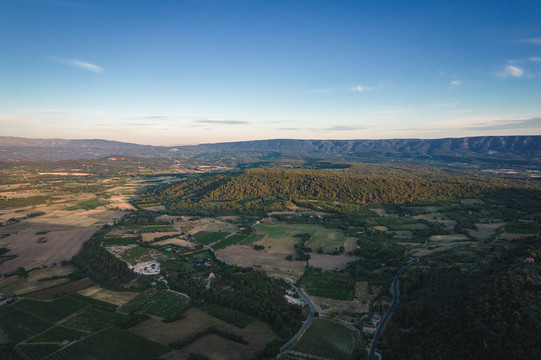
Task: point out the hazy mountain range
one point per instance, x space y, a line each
520 148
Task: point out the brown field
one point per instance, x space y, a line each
513 236
54 292
114 297
380 211
326 306
205 224
32 282
361 291
62 243
154 235
455 237
485 231
257 334
213 347
272 262
428 209
175 241
381 228
350 244
438 218
438 247
330 262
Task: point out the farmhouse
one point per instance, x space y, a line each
147 268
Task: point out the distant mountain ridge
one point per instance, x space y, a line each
505 147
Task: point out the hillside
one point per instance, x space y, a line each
486 148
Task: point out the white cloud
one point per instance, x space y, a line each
360 88
512 70
536 41
454 84
81 65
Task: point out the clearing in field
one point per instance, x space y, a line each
118 298
270 260
380 211
485 231
326 339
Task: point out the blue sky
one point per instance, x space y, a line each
197 71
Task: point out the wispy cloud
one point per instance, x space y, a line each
81 65
346 128
512 70
65 111
362 88
220 121
536 41
507 124
453 84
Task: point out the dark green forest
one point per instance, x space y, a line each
257 191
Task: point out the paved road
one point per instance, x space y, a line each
312 309
381 326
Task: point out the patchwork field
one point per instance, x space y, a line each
257 334
281 238
162 303
273 263
151 236
38 279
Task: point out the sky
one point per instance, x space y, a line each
177 72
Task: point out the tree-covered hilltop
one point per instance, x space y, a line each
260 190
492 312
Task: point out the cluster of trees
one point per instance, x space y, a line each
95 262
262 190
491 313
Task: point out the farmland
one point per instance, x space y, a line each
18 325
51 310
112 343
94 319
208 237
37 351
328 339
57 334
231 240
165 304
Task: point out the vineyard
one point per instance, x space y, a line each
112 343
328 339
37 351
94 319
232 240
166 304
209 237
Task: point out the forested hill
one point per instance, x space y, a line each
491 148
509 146
262 190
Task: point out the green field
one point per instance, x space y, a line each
168 305
121 241
58 334
137 254
51 310
328 339
328 239
251 239
328 284
165 304
209 237
159 228
37 351
94 302
139 302
94 319
88 204
18 325
517 230
112 343
232 240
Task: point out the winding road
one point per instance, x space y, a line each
312 309
387 316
